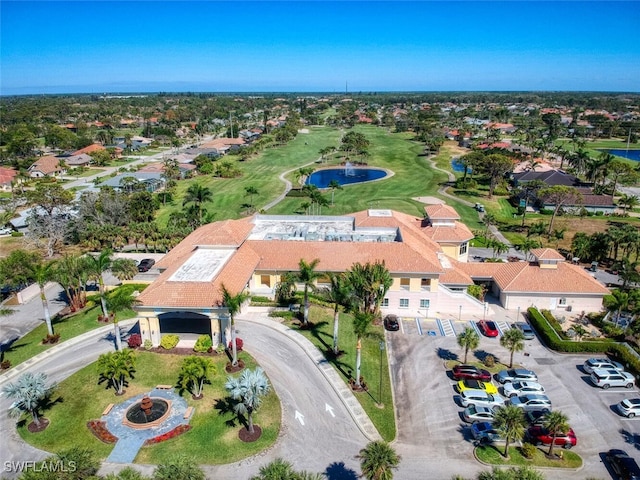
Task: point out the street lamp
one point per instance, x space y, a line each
459 312
518 316
380 389
484 313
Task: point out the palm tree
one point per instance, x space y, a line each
307 276
512 340
378 460
629 202
251 191
124 269
197 194
43 272
527 245
194 373
249 389
510 422
96 266
28 392
119 300
115 367
617 302
339 293
334 185
468 340
233 303
556 423
361 322
370 284
278 469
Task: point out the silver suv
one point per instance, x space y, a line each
590 365
606 378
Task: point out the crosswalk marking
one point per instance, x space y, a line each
446 327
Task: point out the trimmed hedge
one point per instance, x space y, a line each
169 341
620 351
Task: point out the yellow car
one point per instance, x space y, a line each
469 384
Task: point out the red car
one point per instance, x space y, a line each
538 435
470 372
488 328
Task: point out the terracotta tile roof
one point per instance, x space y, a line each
444 233
7 175
223 142
546 254
89 149
47 165
441 212
454 276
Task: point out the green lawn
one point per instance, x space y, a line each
213 438
68 327
322 337
493 455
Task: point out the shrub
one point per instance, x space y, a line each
528 450
489 361
282 314
134 341
51 339
148 344
239 344
169 341
5 365
203 344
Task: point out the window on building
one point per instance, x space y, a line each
404 303
385 302
463 248
424 303
405 283
425 283
562 301
265 280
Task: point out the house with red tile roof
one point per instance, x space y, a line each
48 166
7 177
252 254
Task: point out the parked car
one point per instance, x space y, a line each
526 330
146 264
513 389
516 374
391 323
532 401
471 372
480 398
629 407
539 435
611 378
623 465
483 432
488 328
468 384
6 231
475 414
590 365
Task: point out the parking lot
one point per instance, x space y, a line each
429 416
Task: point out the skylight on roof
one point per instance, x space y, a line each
202 266
380 213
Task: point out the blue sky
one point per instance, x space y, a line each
103 46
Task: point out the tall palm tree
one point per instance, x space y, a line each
512 340
249 388
116 367
361 323
197 195
556 423
251 191
124 269
307 275
43 272
233 303
278 469
118 301
97 265
339 293
194 373
510 422
527 245
378 459
370 283
468 340
629 202
28 393
334 185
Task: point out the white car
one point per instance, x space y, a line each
629 407
532 401
612 378
6 231
515 389
475 414
590 365
480 398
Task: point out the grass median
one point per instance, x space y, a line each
562 458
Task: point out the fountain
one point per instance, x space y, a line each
349 170
148 412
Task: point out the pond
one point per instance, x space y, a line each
345 176
624 153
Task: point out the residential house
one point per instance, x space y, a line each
152 180
7 178
48 166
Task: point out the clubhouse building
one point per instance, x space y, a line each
426 256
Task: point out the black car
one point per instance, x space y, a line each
391 323
623 465
146 264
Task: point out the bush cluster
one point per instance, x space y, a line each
169 341
282 314
51 339
239 344
203 344
554 324
134 340
528 450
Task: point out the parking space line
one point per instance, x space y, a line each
419 326
439 323
474 325
402 326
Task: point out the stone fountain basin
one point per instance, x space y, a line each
166 404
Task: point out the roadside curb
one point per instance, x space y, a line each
347 397
550 469
34 361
